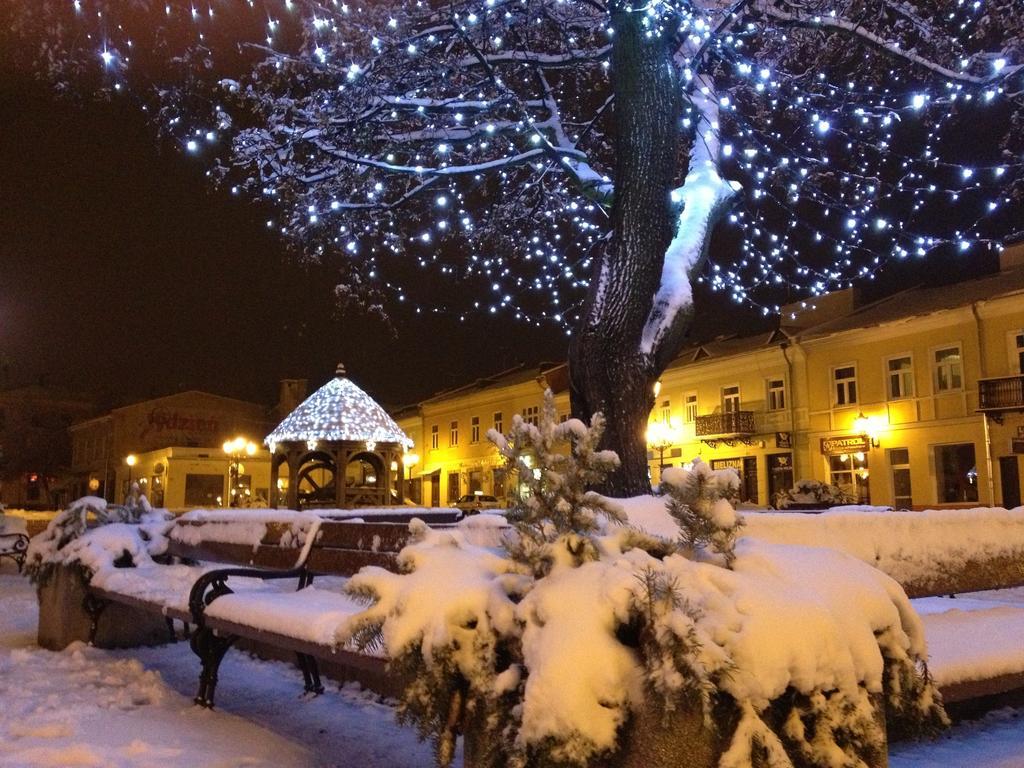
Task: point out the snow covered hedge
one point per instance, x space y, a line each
551 644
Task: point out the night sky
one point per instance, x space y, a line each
124 274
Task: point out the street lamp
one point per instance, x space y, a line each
236 449
131 460
660 436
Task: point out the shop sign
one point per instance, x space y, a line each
736 464
836 446
783 439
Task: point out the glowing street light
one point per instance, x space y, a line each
661 435
236 449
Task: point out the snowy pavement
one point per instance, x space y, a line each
133 709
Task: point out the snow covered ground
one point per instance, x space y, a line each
133 709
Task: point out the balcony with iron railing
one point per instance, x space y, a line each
1005 393
732 424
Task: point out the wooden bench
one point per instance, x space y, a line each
339 549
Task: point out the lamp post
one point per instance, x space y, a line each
236 449
131 460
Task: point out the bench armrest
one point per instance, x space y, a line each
213 584
13 542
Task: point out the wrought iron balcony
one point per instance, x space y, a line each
734 424
1002 394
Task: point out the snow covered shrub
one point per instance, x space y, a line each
556 512
64 541
813 492
545 650
700 499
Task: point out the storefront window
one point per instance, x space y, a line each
956 473
204 490
849 471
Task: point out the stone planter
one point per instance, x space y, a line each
63 619
682 739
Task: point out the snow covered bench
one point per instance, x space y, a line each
240 576
13 539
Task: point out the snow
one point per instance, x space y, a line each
994 622
909 546
9 524
132 709
247 527
314 614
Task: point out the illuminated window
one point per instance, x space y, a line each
850 473
499 422
453 434
776 395
900 373
474 429
690 408
434 437
531 415
845 380
948 370
666 411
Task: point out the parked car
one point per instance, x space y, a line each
474 502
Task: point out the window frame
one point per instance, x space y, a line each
688 416
855 379
1015 350
935 366
453 433
498 417
888 373
895 467
474 430
738 398
770 390
435 436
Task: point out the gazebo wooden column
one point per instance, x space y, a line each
294 459
341 456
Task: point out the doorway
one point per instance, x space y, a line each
1009 481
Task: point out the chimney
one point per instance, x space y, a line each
291 393
1012 256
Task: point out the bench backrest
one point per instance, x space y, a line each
339 548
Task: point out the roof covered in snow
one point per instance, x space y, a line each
338 411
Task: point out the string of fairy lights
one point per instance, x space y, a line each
471 142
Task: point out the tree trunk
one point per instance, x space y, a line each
609 372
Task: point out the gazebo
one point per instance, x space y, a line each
340 449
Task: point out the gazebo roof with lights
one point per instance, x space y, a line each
338 412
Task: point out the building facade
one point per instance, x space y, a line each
176 449
35 450
915 401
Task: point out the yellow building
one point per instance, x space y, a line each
176 449
449 431
915 401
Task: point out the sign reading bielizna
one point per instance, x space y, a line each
836 446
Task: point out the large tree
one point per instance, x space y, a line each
570 160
